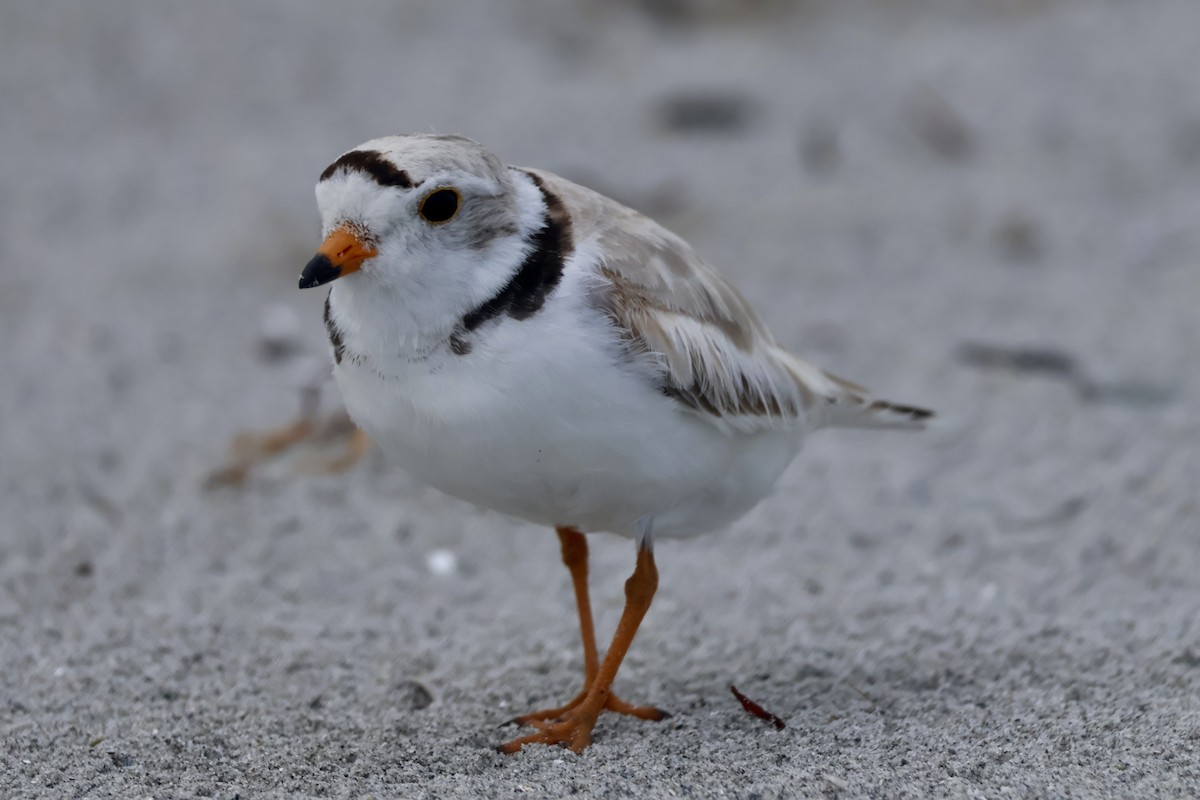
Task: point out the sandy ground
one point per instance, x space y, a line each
1005 605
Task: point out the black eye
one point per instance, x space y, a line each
439 206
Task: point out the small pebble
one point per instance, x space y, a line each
1019 237
705 112
940 127
412 695
820 151
835 782
442 563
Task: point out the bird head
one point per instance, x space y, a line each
423 214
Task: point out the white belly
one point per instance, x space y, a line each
550 430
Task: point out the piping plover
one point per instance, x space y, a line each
531 346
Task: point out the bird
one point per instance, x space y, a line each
531 346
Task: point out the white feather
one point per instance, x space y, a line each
644 392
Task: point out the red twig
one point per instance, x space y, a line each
757 710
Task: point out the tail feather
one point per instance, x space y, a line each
853 407
842 404
852 411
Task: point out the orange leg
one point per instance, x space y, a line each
250 449
575 557
358 446
572 724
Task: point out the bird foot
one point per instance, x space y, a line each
572 729
613 703
571 725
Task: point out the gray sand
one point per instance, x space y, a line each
1002 606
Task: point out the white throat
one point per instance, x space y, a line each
412 311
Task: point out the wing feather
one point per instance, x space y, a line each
713 354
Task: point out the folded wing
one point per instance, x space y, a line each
713 353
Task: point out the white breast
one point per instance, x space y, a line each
543 420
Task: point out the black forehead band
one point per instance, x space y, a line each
373 165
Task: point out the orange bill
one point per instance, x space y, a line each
341 253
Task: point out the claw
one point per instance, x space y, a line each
573 731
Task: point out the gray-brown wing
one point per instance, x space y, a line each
716 356
711 351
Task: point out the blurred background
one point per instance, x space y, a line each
989 208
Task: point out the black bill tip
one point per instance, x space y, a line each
319 272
